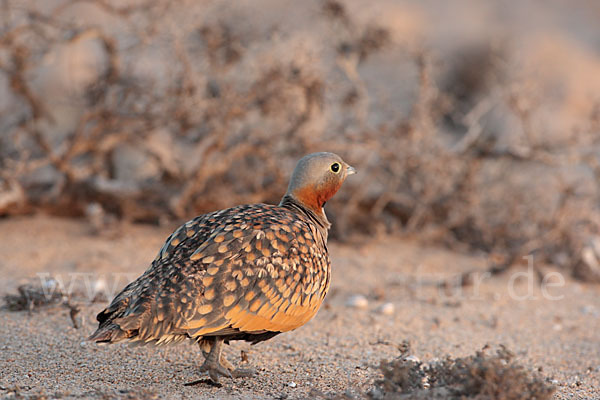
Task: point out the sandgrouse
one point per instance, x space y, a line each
245 273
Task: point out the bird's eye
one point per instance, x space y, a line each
335 167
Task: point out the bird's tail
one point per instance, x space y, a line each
110 333
111 328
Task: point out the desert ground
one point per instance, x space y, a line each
474 125
551 329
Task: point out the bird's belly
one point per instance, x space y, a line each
282 318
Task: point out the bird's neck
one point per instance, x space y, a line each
315 215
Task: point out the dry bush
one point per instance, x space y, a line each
156 111
480 376
50 293
139 156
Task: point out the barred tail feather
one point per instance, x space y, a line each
110 333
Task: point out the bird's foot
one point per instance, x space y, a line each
217 365
215 369
243 372
237 372
224 368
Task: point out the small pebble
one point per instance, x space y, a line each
292 384
589 309
358 301
412 358
99 285
376 394
49 283
386 309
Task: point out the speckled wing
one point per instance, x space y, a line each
150 308
245 270
266 273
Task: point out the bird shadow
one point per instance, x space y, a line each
205 381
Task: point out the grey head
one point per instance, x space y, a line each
316 179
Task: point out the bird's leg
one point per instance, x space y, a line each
212 363
223 362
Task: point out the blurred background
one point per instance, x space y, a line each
473 124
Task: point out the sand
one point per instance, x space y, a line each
555 331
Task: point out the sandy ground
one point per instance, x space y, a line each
339 351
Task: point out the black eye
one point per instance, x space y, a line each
335 167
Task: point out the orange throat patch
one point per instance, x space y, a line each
315 197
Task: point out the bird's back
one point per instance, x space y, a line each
247 272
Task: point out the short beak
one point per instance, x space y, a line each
350 170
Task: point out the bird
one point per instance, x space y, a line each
248 273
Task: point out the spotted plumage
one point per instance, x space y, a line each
245 273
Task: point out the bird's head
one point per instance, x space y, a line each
316 178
